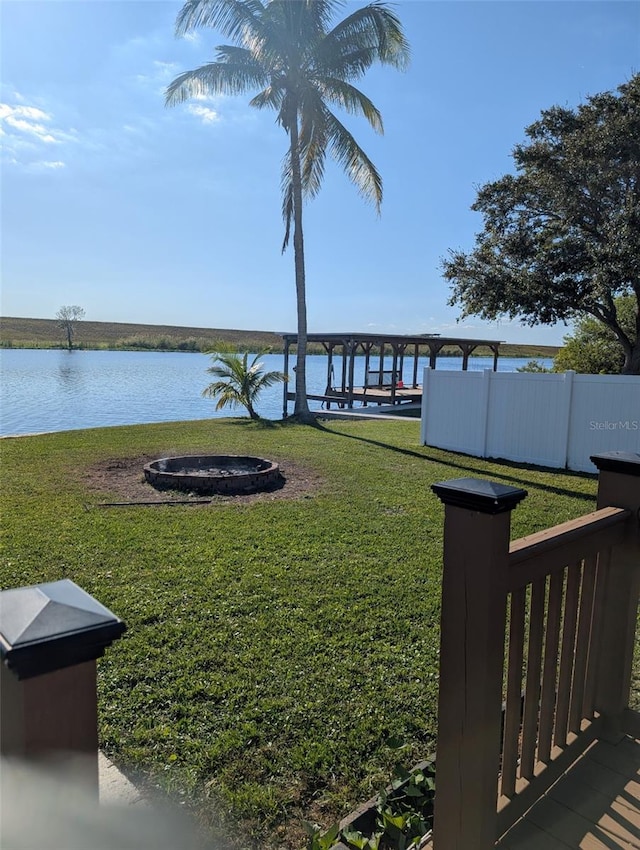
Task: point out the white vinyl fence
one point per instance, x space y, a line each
555 420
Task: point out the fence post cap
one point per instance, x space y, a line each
628 463
478 494
48 626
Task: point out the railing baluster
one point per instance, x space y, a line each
585 617
567 654
532 689
602 565
514 689
550 668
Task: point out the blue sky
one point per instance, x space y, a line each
140 213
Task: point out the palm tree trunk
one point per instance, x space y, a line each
301 407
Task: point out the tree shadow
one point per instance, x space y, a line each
244 422
517 480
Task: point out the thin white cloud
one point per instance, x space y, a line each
157 76
165 68
35 122
27 119
29 112
207 115
26 131
50 165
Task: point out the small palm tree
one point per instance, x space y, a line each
239 382
301 66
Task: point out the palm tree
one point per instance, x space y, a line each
286 49
240 383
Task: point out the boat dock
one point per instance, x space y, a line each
382 386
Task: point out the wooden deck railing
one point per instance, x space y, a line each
536 650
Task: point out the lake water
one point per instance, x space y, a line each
55 390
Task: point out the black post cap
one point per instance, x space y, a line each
477 494
628 463
49 626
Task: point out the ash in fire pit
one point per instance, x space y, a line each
214 474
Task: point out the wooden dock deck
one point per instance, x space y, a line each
365 396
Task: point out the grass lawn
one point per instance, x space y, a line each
273 646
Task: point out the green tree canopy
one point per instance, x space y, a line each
301 66
593 348
561 236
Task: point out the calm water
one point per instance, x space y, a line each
53 390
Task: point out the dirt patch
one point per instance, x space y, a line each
122 480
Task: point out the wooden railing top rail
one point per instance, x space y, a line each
540 554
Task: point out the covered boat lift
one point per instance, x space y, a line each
380 386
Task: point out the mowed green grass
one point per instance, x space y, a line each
272 647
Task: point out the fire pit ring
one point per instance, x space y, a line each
214 474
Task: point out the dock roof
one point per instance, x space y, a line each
391 339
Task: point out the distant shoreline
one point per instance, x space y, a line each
45 333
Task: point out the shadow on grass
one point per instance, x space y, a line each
245 421
519 480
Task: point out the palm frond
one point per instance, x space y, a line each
232 54
348 153
322 12
271 97
312 150
351 99
304 22
240 381
370 34
269 379
286 35
214 78
286 185
348 65
226 395
233 18
312 141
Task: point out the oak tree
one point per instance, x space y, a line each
561 236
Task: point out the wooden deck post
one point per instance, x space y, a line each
619 583
352 361
50 637
476 548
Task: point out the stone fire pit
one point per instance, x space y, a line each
210 474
